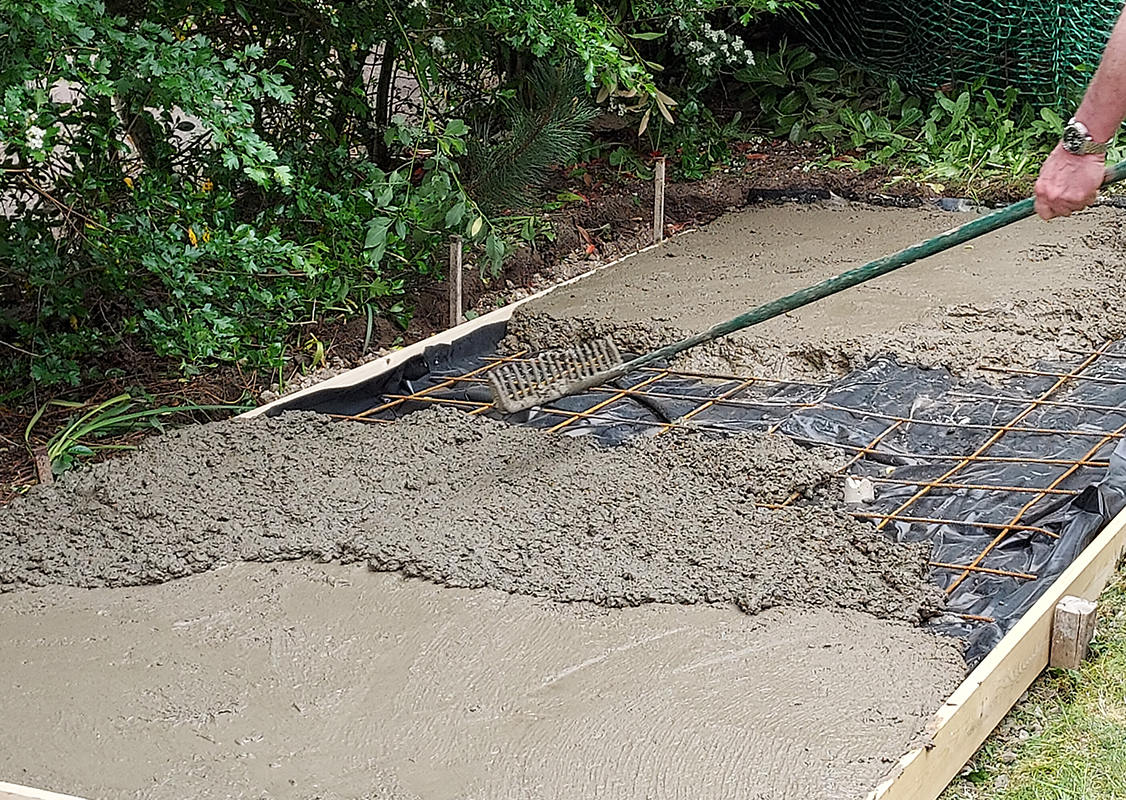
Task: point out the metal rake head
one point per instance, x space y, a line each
520 385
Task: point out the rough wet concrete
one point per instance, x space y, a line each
470 502
316 681
1011 297
299 680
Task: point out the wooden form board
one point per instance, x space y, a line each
11 791
381 365
985 697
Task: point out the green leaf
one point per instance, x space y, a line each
646 37
801 58
978 777
829 130
910 117
375 243
823 75
257 174
791 103
455 215
494 249
849 118
961 107
475 227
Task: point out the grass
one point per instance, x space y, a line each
1066 740
105 426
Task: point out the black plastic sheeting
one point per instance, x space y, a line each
949 419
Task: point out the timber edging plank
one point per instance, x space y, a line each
386 363
12 791
993 688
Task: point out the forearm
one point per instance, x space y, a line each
1104 104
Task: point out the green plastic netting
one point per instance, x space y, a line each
1046 50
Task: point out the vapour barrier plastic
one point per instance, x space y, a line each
1011 480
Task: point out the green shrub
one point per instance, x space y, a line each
204 176
969 134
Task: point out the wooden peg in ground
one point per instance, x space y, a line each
43 466
1073 626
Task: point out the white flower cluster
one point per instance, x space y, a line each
437 44
730 47
35 136
621 108
712 50
417 4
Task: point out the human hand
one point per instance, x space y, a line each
1068 183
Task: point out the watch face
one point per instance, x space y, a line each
1073 139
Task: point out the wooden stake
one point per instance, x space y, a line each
455 281
383 365
43 466
659 202
1073 626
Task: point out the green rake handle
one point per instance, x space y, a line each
881 266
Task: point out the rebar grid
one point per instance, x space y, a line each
977 487
1049 374
735 397
424 394
727 399
1056 482
615 397
1061 381
992 440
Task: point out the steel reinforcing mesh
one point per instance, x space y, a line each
1046 50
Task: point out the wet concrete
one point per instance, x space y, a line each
307 681
575 635
1026 292
469 502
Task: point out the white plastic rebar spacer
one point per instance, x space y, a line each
858 490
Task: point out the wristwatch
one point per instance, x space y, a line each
1077 140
